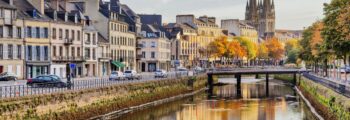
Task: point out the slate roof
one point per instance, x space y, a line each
4 4
25 10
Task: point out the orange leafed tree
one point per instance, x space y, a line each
236 50
275 48
316 40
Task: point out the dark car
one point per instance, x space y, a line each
7 76
46 81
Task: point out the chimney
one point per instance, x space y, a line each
39 5
9 2
55 15
76 19
55 4
65 16
212 19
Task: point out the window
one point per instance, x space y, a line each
37 32
78 34
73 35
153 54
94 54
54 51
38 53
29 32
143 54
1 52
10 31
60 32
10 51
94 38
46 33
78 51
19 32
87 38
87 53
153 44
73 52
61 51
19 51
67 34
46 53
54 33
1 31
30 54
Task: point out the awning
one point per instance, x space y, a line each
118 64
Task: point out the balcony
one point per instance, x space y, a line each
67 59
139 57
105 56
139 46
68 41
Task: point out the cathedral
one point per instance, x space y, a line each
261 15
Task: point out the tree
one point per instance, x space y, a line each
263 51
250 47
236 50
275 48
292 56
292 44
337 27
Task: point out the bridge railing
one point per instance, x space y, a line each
16 91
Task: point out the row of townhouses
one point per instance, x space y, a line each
91 38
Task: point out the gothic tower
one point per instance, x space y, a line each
261 15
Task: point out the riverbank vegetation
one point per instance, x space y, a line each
93 102
331 105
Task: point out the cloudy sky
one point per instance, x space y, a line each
290 14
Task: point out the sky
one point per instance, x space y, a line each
290 14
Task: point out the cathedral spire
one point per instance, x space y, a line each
247 7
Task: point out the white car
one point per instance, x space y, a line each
132 74
117 76
161 74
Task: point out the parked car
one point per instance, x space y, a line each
161 74
46 81
6 76
117 76
132 74
198 69
182 71
345 69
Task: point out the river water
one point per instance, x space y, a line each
283 103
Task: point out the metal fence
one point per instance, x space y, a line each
16 91
339 88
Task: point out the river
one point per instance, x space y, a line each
283 103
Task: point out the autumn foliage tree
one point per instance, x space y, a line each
275 48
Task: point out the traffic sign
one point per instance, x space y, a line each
72 66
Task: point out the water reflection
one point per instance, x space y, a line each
281 105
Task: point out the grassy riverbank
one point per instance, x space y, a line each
93 102
328 103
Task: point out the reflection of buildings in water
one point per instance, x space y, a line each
230 110
251 91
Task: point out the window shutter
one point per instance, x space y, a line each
5 54
15 49
33 32
33 53
42 58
